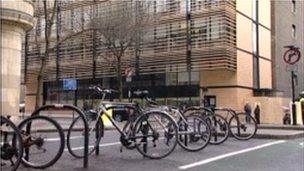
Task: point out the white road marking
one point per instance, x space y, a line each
52 139
76 137
101 145
58 139
302 144
188 166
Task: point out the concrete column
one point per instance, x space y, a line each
16 18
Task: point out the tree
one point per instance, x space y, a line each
118 30
44 38
49 22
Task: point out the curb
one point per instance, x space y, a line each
282 127
285 137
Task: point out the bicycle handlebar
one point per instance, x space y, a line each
103 91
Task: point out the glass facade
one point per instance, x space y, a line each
161 86
159 54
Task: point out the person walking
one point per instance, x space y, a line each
257 111
248 110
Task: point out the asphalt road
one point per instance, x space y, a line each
233 155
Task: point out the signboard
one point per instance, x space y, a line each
69 84
129 72
292 56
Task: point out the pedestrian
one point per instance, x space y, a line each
257 112
248 110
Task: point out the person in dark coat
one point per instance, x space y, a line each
248 110
257 112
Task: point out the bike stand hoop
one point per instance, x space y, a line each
81 114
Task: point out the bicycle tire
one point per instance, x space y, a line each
69 137
194 138
17 139
224 126
143 123
246 135
28 123
214 121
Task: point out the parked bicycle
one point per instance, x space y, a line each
43 141
40 137
218 124
239 127
193 131
153 133
11 147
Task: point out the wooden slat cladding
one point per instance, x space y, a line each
162 46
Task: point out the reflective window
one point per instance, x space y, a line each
294 31
293 5
254 9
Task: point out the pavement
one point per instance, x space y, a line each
274 148
265 131
232 155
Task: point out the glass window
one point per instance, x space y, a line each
255 72
183 78
293 6
254 14
42 27
215 28
294 31
254 38
171 79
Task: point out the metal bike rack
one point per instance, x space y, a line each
86 127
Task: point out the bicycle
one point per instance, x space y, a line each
140 131
11 147
38 137
238 126
193 131
43 141
218 124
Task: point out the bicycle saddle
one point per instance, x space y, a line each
103 91
144 95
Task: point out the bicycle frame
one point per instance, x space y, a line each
233 113
180 114
103 110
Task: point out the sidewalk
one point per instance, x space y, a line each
269 131
265 131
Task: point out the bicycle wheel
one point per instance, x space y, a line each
155 134
11 147
75 136
193 133
43 141
241 129
219 128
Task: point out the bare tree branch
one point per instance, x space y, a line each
118 30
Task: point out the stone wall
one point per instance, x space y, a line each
16 18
